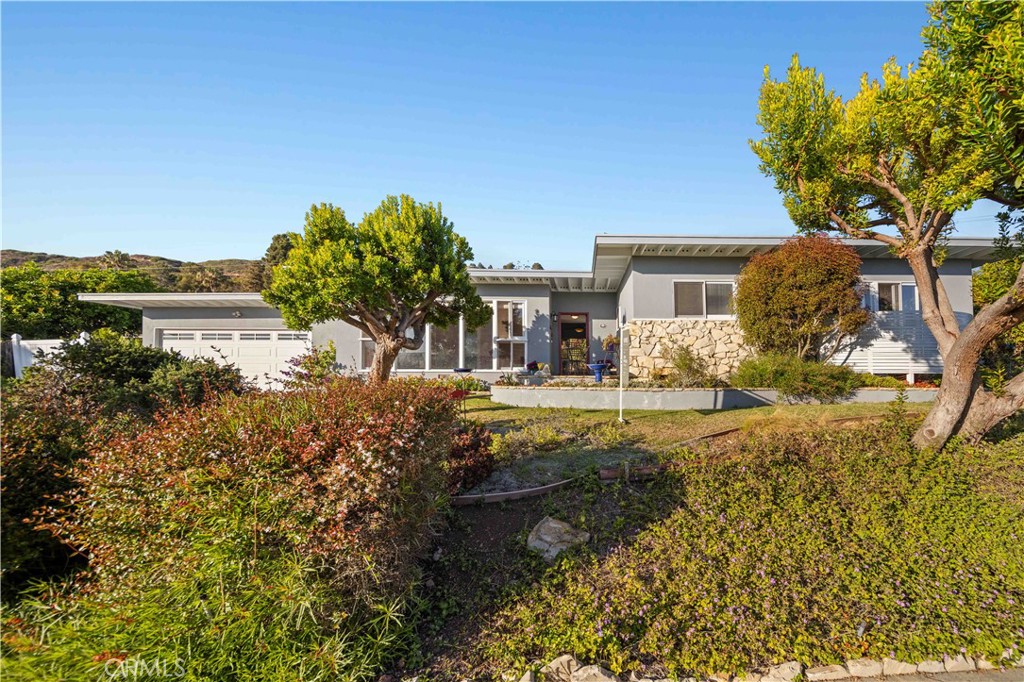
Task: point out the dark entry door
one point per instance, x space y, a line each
573 343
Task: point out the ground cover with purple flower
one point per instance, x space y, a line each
817 544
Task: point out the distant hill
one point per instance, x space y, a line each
162 269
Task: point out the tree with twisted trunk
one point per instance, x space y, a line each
401 268
898 160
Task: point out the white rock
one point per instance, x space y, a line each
551 537
864 667
593 673
560 669
784 672
958 664
826 672
749 677
982 664
890 666
528 677
931 667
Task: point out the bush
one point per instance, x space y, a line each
471 460
266 536
826 545
312 368
796 378
107 384
877 381
688 370
801 298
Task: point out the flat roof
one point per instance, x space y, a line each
612 255
178 300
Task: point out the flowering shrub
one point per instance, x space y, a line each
822 546
260 536
110 382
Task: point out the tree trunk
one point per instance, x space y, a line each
963 406
384 355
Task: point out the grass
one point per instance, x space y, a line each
537 446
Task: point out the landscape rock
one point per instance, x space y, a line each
560 669
720 677
749 677
864 667
784 672
982 664
528 677
593 673
958 664
826 672
890 666
551 537
931 667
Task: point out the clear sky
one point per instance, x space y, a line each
198 131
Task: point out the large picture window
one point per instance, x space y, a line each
703 299
897 296
500 344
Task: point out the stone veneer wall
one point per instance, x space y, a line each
720 342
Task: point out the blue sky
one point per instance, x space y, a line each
198 131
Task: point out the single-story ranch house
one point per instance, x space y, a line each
668 288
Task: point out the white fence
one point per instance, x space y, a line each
25 352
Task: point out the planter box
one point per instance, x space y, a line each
607 398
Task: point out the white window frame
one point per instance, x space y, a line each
899 284
704 298
495 341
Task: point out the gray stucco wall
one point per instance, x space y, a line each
154 319
649 289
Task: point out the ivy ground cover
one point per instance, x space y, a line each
817 545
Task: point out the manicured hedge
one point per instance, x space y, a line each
264 536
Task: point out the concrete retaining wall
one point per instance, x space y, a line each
593 398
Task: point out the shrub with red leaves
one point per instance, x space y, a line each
471 459
271 536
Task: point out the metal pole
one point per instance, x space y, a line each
622 353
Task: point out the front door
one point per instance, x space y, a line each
573 343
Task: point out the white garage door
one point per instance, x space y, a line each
259 355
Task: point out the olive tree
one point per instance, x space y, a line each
896 162
401 268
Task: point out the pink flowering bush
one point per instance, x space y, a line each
263 535
818 547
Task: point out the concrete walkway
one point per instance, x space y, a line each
1008 675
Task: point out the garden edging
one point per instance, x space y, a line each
594 397
567 669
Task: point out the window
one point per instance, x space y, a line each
703 299
216 336
254 336
893 296
479 347
500 344
510 334
179 336
292 336
444 347
719 298
689 299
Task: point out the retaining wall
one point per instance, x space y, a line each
595 398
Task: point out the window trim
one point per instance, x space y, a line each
704 298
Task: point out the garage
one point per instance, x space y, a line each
259 355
